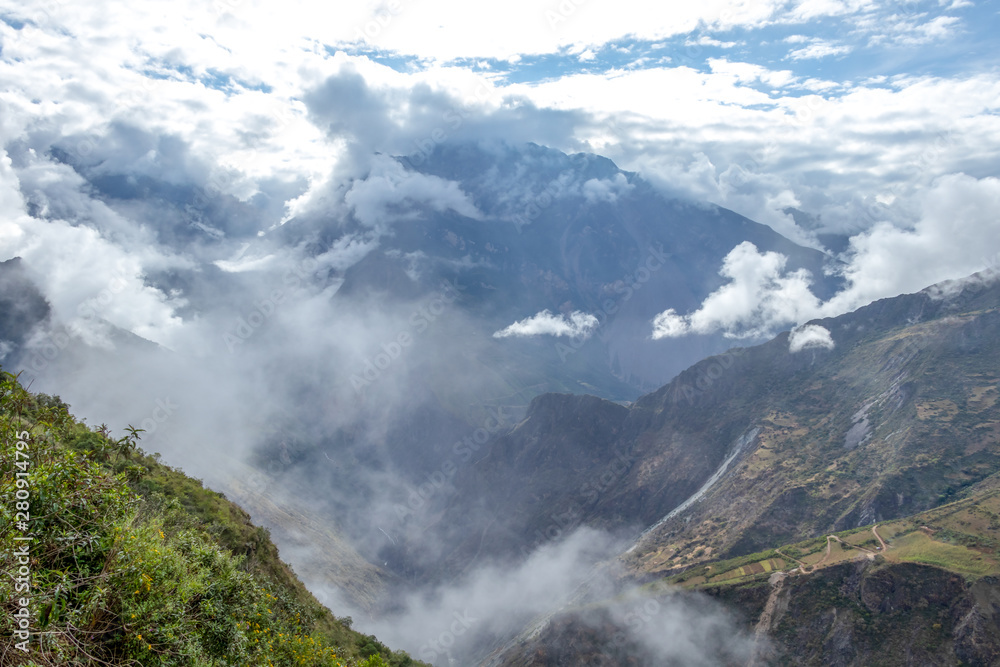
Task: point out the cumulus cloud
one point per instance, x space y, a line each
810 336
575 325
391 193
606 190
759 297
956 234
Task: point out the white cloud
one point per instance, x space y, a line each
957 233
85 276
911 29
606 190
391 193
759 298
810 336
806 10
141 107
705 40
575 325
819 49
958 227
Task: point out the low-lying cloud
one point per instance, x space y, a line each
458 622
810 336
575 325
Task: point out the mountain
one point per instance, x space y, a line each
772 445
543 232
372 316
390 441
562 233
897 417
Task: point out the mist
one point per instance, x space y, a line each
574 580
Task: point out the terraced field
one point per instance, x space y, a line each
962 537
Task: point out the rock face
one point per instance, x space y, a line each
867 613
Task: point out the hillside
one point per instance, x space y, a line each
129 561
914 591
900 417
756 447
874 463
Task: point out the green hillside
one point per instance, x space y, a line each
116 559
962 537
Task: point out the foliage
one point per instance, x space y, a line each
133 563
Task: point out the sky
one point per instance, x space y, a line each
850 111
864 116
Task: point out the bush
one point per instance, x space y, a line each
124 578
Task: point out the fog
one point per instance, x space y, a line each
574 579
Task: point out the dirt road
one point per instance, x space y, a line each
879 538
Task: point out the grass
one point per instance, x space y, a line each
918 547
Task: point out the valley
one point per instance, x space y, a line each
390 334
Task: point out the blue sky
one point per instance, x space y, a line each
919 38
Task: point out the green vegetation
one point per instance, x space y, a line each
703 573
962 538
133 563
917 547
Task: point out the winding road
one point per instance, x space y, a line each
879 538
806 569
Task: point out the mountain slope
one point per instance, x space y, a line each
362 333
761 445
898 418
920 590
128 561
567 233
